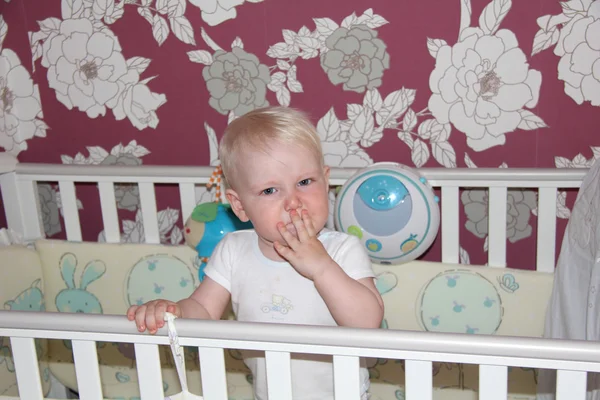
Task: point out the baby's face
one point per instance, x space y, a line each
271 184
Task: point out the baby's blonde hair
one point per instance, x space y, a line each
260 129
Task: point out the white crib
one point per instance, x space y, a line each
493 354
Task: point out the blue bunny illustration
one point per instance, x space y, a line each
79 300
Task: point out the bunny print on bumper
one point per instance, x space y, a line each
76 298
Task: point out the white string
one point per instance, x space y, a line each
177 350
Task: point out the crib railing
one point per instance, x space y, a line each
23 214
493 354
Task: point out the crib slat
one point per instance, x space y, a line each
149 213
187 195
110 218
546 230
450 220
147 361
493 382
419 380
279 375
571 385
87 370
70 211
30 210
497 227
18 196
27 368
212 368
346 377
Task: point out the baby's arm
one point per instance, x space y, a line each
351 302
208 301
354 303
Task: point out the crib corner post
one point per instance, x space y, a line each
22 206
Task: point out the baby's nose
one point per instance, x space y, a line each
293 202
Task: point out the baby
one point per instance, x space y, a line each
289 269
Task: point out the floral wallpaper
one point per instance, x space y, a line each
467 83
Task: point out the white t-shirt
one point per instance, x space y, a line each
263 290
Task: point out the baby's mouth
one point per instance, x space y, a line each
291 229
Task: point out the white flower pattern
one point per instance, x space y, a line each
339 154
137 102
579 161
20 107
215 12
84 66
579 50
481 84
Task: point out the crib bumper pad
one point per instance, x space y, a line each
423 296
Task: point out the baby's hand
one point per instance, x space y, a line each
151 315
303 251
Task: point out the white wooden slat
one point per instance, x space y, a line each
546 230
9 189
493 382
87 370
187 195
450 224
346 377
18 196
418 376
571 385
110 218
279 375
31 209
149 212
212 369
497 226
68 200
27 368
150 380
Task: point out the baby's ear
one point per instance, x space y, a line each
236 205
326 172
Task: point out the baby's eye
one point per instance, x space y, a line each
268 191
305 182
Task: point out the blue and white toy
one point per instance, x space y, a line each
208 224
392 209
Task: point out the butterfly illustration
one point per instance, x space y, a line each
508 283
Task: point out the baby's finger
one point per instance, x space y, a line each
161 309
140 318
283 251
286 235
299 225
310 228
151 318
131 312
174 309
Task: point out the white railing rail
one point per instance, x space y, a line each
493 353
19 192
475 177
